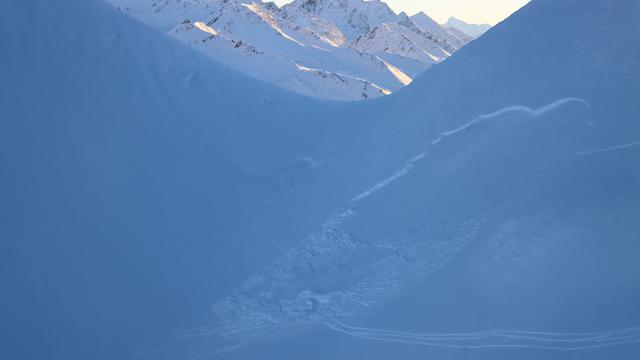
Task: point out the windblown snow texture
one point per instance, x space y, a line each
155 204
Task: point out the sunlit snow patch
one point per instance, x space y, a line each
205 28
401 76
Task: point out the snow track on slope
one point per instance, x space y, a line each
491 339
608 149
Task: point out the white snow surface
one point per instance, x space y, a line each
158 204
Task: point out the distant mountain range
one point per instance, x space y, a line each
329 49
473 30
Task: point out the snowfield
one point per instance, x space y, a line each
158 204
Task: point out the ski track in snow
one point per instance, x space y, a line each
266 237
608 149
333 276
492 339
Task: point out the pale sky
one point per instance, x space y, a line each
472 11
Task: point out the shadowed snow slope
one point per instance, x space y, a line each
157 205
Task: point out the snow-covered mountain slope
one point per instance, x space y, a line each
428 44
353 17
247 37
289 74
304 46
145 182
392 38
493 214
472 30
487 201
